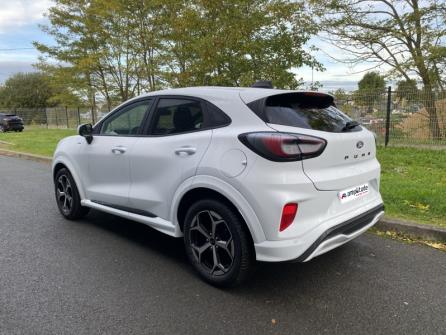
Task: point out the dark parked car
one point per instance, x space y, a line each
10 122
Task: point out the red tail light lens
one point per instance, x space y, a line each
288 214
282 147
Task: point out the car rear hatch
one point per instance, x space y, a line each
349 158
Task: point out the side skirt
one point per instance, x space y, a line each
155 222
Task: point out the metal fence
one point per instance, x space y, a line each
397 118
57 117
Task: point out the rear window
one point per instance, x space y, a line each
304 110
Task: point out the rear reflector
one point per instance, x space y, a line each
288 214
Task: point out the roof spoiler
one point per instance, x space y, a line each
305 98
263 84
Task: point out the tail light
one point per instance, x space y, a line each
288 214
283 147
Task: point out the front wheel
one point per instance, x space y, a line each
67 196
217 243
2 129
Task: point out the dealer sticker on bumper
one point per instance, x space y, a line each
353 193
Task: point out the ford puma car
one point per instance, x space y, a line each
241 174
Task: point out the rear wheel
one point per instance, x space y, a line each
217 243
67 196
2 129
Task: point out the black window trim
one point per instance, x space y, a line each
149 126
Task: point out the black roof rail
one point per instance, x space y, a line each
263 84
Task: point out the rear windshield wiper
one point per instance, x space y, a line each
350 125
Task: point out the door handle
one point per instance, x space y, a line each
119 150
185 150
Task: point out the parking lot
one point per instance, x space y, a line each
111 276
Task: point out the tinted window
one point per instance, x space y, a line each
304 111
173 116
126 122
219 118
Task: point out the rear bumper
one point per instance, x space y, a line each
323 240
342 233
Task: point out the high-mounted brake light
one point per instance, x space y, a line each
288 214
283 147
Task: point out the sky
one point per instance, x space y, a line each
19 27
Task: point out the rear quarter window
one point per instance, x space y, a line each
217 116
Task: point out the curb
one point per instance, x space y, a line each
424 231
37 158
7 143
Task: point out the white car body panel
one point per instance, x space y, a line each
227 190
107 178
291 249
151 177
341 164
68 154
158 167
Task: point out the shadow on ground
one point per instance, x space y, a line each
267 275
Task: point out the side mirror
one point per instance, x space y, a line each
86 130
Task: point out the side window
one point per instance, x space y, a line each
174 116
128 121
219 118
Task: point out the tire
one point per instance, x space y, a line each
225 258
2 129
67 196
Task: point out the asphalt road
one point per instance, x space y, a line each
105 275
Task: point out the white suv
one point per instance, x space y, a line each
243 174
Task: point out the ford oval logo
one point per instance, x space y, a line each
359 144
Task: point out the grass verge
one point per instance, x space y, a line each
413 181
413 184
38 141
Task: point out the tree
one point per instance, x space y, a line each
235 43
407 89
343 102
406 36
370 90
340 95
30 90
116 49
372 82
107 44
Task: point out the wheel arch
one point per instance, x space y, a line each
57 167
210 187
59 164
